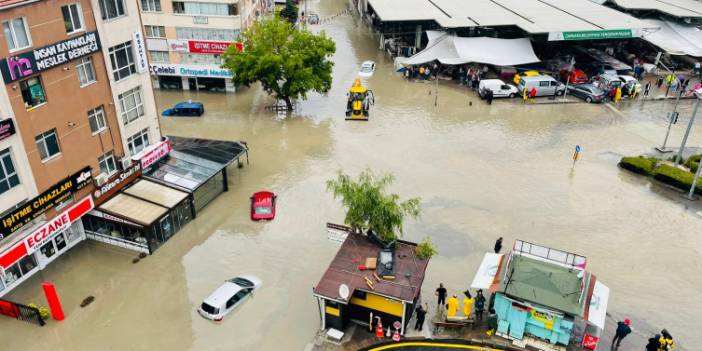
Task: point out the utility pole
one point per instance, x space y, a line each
570 71
687 132
672 119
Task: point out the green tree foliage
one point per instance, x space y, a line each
289 12
288 63
426 249
368 206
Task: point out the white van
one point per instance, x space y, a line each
228 296
544 85
498 87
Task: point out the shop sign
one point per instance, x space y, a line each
16 219
25 64
592 34
116 183
211 47
590 342
140 52
190 71
7 128
58 224
153 153
178 45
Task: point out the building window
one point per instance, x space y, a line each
111 9
72 18
122 60
107 163
155 31
96 119
32 92
159 56
86 72
151 5
204 8
131 103
48 145
138 142
8 174
17 34
206 34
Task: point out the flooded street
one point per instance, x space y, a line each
481 171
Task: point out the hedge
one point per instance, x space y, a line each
640 165
676 177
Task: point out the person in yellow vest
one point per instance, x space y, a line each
636 91
467 304
665 343
421 72
452 306
525 95
618 94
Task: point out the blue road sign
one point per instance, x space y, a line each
577 148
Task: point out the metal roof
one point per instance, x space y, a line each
677 8
533 16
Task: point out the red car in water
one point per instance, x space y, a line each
263 206
575 76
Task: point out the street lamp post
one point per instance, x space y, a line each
690 195
671 119
687 132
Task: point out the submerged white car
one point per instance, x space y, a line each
367 69
228 296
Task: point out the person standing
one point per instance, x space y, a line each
427 73
665 342
525 95
441 293
467 304
618 94
421 313
623 330
532 94
647 88
489 96
498 245
653 343
659 82
452 306
479 305
421 72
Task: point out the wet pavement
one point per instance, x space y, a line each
481 171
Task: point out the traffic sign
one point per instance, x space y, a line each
577 148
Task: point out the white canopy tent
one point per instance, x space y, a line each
452 50
675 38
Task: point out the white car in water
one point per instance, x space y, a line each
367 69
228 296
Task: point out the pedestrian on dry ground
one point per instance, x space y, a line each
498 245
421 313
623 330
441 293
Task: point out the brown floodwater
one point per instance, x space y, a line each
481 172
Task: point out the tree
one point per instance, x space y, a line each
426 249
368 207
288 62
289 12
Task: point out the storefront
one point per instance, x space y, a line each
34 248
192 77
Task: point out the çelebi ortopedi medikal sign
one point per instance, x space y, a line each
32 62
33 208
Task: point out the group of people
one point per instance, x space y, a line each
472 76
659 342
471 306
423 72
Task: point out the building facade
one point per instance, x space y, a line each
185 40
65 95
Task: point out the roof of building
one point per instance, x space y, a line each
154 192
343 269
533 16
133 208
545 283
677 8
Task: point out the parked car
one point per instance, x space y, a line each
263 206
574 76
607 81
185 109
597 68
228 296
587 92
367 69
524 74
544 85
630 82
498 87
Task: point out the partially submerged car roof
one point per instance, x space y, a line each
222 294
195 105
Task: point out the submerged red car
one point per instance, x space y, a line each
263 206
575 76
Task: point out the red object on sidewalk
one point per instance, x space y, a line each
379 329
590 342
53 300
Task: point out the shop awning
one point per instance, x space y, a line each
130 207
487 271
597 313
675 38
452 50
157 193
677 8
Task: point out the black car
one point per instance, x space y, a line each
587 92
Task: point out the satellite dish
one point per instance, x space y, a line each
344 291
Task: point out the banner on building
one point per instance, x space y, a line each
594 34
211 47
142 64
116 183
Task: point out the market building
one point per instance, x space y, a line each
543 297
185 41
346 294
62 129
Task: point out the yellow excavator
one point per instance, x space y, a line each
360 100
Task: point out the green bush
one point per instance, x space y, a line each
693 159
640 165
676 177
693 166
426 249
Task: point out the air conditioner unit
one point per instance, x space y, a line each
101 179
126 162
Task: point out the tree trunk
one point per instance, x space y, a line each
288 103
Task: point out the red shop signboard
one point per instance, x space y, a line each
210 47
590 341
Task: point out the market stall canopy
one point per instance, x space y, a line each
675 38
677 8
485 275
597 311
452 50
533 16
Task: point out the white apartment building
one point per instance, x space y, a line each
124 47
185 40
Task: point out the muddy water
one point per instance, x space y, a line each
481 171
